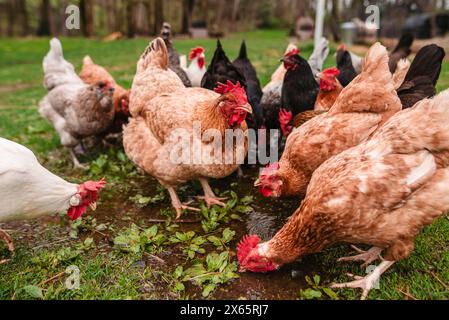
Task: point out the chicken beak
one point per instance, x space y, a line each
241 269
93 206
258 183
247 108
319 75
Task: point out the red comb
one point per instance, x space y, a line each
332 72
228 87
195 52
341 47
270 169
94 185
247 243
293 52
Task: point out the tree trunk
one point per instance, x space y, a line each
87 17
44 28
187 10
23 14
158 15
10 13
335 20
130 18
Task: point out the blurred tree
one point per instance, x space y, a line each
22 14
44 28
158 15
335 20
87 17
187 11
130 18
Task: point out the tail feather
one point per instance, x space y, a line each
427 62
406 41
156 53
424 126
375 59
401 72
376 79
319 55
87 61
422 77
57 70
56 47
243 54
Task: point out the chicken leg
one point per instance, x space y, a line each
177 204
368 282
76 163
8 240
209 195
366 256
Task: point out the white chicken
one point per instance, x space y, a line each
197 67
28 190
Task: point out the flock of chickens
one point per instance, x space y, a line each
366 142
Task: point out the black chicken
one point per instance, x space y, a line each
254 90
173 56
300 89
422 76
402 51
221 70
346 67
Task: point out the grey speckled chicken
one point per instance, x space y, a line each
77 110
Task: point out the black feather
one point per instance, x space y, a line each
422 76
221 70
346 68
253 88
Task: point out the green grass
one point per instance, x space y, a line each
109 274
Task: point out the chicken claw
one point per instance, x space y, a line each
76 163
184 207
209 195
178 205
210 201
366 256
8 240
367 283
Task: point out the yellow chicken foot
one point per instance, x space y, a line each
178 205
209 196
8 240
366 283
367 257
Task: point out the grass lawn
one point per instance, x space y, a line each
126 250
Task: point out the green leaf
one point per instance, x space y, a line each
247 200
316 279
228 235
215 240
310 294
179 286
151 232
178 272
34 292
330 293
244 209
208 289
309 281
